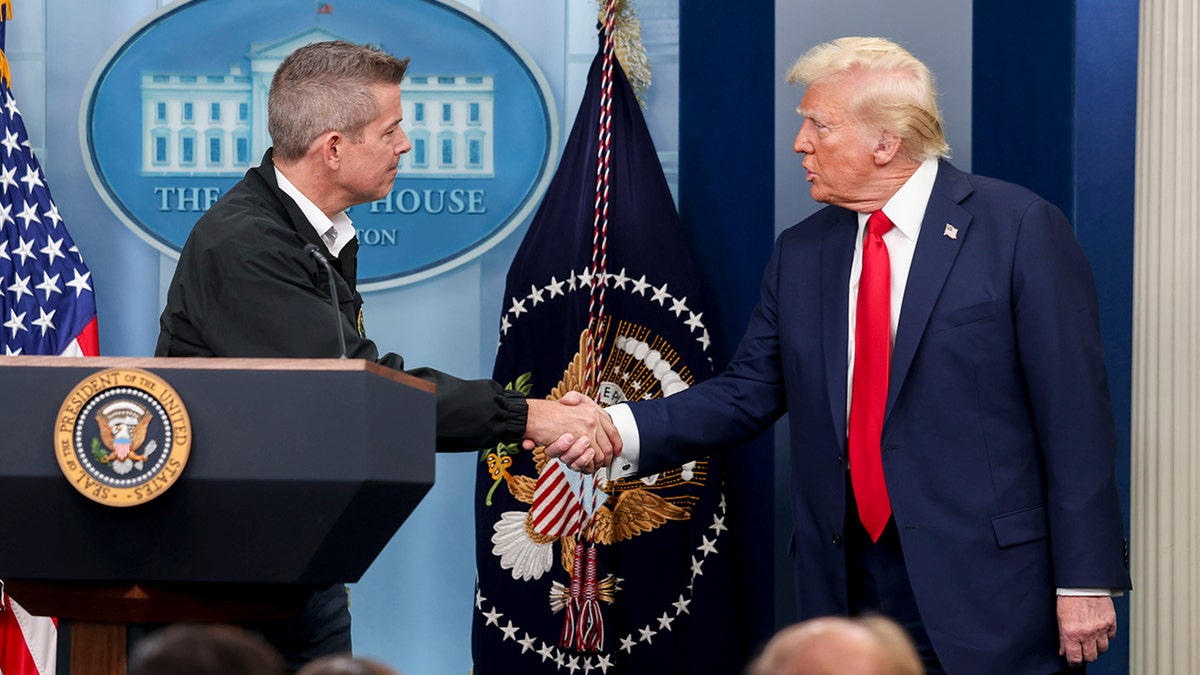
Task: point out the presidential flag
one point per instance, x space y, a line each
47 306
582 574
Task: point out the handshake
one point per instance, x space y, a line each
574 429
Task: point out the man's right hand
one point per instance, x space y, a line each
573 429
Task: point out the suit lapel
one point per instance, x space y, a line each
931 264
837 255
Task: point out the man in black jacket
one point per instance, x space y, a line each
245 285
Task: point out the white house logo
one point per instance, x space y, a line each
176 114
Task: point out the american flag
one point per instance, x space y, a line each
46 307
46 298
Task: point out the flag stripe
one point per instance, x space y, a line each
27 642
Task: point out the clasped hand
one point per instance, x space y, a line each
574 429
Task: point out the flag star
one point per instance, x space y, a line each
25 250
718 524
29 214
661 295
10 142
517 307
708 546
20 286
647 635
627 644
49 284
558 660
478 593
555 287
587 665
704 340
637 385
52 249
75 249
604 662
6 214
11 105
535 294
620 280
640 286
8 351
504 325
45 321
585 279
4 248
545 651
8 178
32 178
527 643
696 565
80 282
510 631
573 664
679 306
16 322
681 607
52 214
493 617
571 281
694 320
665 621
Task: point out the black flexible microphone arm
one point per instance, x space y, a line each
315 252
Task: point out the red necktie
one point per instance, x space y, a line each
868 398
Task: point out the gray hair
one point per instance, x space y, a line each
894 91
326 86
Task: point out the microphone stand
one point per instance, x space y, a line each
312 250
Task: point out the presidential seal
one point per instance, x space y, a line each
122 437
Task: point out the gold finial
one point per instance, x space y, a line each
627 44
5 10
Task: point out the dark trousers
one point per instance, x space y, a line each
320 628
877 581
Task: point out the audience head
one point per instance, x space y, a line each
185 649
344 664
839 646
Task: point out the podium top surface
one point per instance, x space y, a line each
215 363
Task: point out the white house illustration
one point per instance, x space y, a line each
216 125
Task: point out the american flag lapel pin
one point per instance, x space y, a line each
951 231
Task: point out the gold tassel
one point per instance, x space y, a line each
5 15
5 71
627 44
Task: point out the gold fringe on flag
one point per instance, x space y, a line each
627 43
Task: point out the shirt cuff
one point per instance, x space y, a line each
1112 592
626 464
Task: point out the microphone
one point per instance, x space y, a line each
315 253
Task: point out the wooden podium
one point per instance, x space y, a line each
299 473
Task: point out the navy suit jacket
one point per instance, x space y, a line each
998 442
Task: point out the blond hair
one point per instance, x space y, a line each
894 92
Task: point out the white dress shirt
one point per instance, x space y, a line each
336 232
